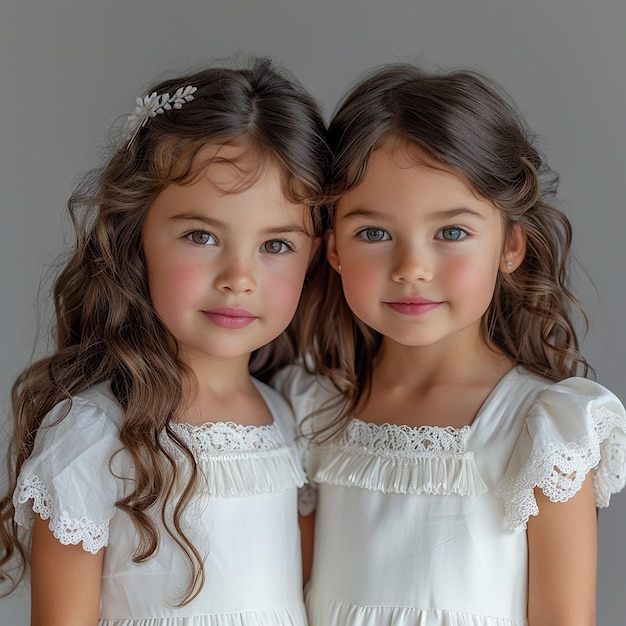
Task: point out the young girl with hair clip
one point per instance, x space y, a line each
459 451
153 479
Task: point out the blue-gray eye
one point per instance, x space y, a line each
374 234
452 233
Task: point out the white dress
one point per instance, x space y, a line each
425 526
244 521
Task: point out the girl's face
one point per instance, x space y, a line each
417 250
226 264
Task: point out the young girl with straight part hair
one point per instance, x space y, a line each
458 450
153 479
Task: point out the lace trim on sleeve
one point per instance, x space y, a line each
68 530
559 470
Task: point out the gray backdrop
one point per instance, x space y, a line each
71 68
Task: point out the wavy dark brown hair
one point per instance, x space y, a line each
106 328
462 120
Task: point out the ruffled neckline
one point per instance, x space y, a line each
397 458
238 459
401 459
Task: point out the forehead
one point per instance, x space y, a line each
400 183
234 167
407 163
407 152
229 185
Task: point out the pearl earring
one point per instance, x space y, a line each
509 265
339 268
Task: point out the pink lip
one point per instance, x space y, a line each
412 306
230 317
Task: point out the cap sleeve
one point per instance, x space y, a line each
307 394
574 426
67 478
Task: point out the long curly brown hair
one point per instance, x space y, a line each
106 328
464 120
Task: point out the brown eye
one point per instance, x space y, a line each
201 237
276 246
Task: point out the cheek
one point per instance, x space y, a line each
472 277
363 284
363 275
283 288
170 283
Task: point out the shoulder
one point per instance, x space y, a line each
571 427
533 398
89 421
95 407
517 391
307 393
279 408
272 398
87 424
575 412
297 380
575 400
69 478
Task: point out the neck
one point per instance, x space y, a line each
214 387
219 375
443 362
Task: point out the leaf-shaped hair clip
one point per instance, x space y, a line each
153 105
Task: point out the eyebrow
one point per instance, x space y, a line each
449 214
213 223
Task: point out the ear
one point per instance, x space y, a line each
514 249
331 251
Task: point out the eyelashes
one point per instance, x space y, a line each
201 237
448 233
373 234
271 246
278 246
452 233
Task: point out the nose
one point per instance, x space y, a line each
237 275
412 265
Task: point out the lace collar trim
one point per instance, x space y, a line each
392 439
224 437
